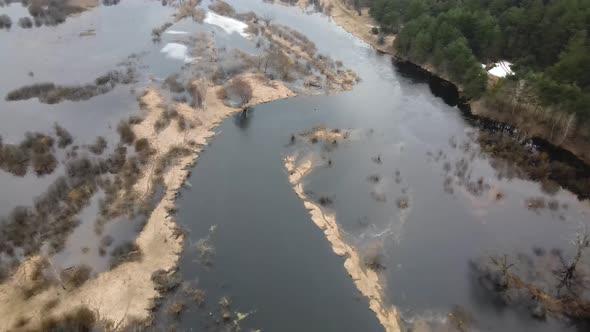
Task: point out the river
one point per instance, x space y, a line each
265 253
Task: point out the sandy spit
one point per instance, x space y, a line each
366 280
127 291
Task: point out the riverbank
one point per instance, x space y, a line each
531 123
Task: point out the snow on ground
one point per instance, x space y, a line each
176 32
501 69
176 51
228 24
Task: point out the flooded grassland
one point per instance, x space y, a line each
442 220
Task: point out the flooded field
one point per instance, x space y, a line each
334 189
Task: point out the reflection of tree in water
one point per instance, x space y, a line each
537 283
243 118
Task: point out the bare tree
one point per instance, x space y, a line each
267 18
243 89
198 90
567 273
504 267
570 120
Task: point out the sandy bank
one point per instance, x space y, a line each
359 26
127 292
366 280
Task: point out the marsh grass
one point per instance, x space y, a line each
80 320
222 8
75 276
126 252
99 145
50 93
36 149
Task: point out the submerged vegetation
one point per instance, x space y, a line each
560 294
36 150
50 93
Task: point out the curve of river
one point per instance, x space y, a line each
271 259
248 236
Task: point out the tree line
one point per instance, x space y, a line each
547 40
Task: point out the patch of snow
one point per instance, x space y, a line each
228 24
501 69
177 51
176 32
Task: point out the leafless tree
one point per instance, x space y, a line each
567 274
267 18
504 267
570 121
198 90
243 89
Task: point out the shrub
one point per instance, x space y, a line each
25 22
198 91
126 133
165 281
373 257
144 150
375 30
141 145
64 137
81 319
199 297
126 252
175 308
44 164
242 89
222 8
75 276
99 146
5 22
199 15
15 160
172 83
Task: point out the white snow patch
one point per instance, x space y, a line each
228 24
176 32
177 51
501 69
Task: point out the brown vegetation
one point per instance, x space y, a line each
522 161
50 93
99 146
501 279
126 252
64 138
5 21
222 8
242 89
81 319
125 132
198 91
36 150
75 276
157 32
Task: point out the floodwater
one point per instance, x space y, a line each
264 253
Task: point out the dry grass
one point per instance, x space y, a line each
222 8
